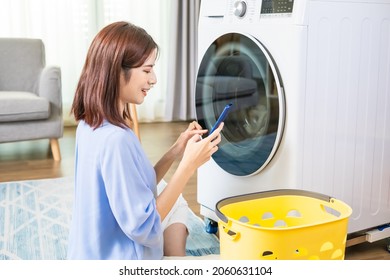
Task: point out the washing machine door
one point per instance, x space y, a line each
237 69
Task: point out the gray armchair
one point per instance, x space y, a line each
30 94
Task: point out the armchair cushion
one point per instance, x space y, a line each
22 61
22 106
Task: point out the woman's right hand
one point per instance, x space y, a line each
198 151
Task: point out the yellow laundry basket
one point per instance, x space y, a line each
282 224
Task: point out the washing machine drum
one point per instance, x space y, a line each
237 69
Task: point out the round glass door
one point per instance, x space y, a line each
236 69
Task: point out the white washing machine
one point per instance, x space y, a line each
309 84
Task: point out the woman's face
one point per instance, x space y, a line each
141 81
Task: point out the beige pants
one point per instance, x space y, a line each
179 212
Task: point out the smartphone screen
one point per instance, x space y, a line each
221 118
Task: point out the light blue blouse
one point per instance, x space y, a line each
114 212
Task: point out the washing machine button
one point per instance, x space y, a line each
240 8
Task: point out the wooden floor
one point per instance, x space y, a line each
32 160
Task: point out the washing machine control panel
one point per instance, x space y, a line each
276 7
250 10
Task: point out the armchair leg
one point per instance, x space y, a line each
55 149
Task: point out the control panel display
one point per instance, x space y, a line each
277 6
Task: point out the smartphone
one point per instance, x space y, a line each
222 117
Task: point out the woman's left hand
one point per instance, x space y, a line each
180 144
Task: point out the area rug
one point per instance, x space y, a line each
35 217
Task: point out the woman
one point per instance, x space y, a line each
117 213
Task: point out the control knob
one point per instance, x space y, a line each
239 8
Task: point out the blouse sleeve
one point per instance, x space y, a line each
129 180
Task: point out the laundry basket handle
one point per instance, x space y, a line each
233 235
265 194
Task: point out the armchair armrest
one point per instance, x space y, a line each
50 88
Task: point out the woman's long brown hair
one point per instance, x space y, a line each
118 46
